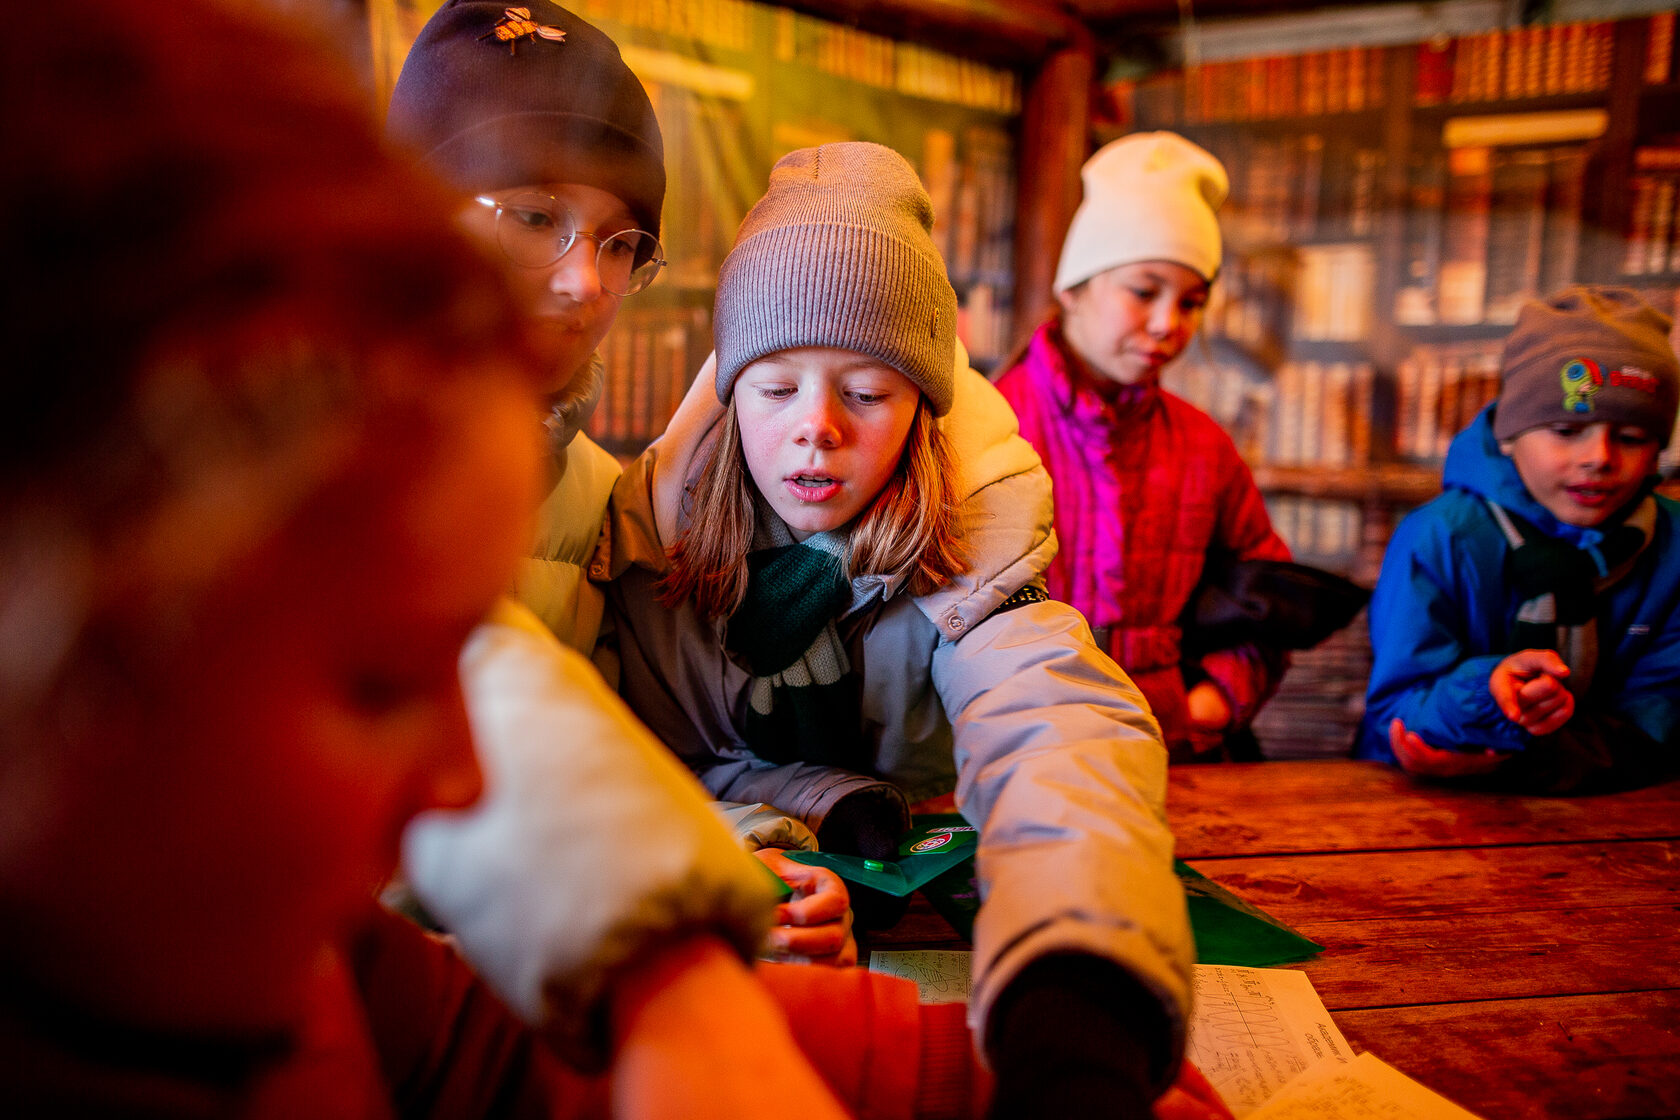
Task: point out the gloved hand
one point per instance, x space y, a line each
866 823
1074 1036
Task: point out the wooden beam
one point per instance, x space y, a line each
1001 32
1055 127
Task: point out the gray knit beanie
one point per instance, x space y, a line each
1587 354
493 100
838 253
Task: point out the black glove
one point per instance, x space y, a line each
1076 1036
867 823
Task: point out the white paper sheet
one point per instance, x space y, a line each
1253 1029
1367 1088
942 976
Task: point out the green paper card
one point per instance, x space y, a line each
935 844
1231 931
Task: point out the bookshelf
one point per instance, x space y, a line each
1391 208
736 84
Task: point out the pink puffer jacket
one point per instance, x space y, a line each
1147 487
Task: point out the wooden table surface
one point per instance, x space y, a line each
1519 955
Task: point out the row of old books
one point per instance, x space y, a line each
1252 305
1487 229
650 357
1305 186
1316 83
1651 240
1335 292
973 195
1325 532
1315 293
1659 49
1536 61
1307 413
716 23
1438 390
876 60
1321 414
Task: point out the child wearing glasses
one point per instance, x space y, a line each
829 598
1526 626
552 147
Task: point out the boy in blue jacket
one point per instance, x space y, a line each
1526 624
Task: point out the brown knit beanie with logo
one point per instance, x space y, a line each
1588 354
838 253
492 100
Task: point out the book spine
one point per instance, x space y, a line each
1516 223
1636 244
639 426
1662 225
1434 72
1561 241
1360 407
1415 301
1469 190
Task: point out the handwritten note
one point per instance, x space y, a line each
1367 1088
1253 1029
941 976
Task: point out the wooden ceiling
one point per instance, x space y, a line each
1023 32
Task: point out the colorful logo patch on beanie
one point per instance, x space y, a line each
1581 378
517 24
1632 377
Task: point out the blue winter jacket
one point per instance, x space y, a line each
1442 616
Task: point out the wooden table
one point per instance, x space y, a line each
1519 955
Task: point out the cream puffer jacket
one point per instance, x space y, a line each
1052 751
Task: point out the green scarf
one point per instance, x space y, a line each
1561 584
804 701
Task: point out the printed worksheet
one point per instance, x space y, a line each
1253 1029
942 976
1367 1088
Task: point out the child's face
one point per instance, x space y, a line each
1129 322
568 309
1583 473
241 792
823 431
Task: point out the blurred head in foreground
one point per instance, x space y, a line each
267 458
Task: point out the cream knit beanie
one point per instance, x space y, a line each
1150 196
838 253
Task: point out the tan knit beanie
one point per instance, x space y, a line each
1150 196
838 253
1588 354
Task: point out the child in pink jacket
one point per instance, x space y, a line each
1149 491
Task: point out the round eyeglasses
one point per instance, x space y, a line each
535 230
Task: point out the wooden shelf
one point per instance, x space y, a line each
1396 484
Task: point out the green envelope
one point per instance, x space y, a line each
1227 929
935 843
937 856
1231 931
